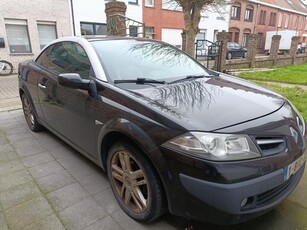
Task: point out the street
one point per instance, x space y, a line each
45 184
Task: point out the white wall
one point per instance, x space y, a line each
94 11
172 36
214 19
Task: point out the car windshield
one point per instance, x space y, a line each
135 59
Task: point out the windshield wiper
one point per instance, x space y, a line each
191 77
140 81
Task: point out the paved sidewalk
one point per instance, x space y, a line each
9 97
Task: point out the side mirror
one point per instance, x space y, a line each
74 81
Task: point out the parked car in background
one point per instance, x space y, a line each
235 50
170 134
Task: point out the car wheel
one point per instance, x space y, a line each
135 184
229 55
245 54
29 115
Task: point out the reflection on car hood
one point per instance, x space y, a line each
211 103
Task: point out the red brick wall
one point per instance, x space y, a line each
159 18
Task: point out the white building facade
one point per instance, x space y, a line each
89 16
27 26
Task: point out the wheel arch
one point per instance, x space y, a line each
123 132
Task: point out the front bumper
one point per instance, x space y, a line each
253 196
226 193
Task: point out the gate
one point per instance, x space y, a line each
209 53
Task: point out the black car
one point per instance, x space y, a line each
235 50
170 134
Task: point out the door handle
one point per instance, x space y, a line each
41 86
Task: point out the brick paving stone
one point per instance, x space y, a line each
51 222
14 179
3 223
37 159
28 147
27 213
55 181
95 183
107 200
128 223
7 156
67 196
10 167
45 169
82 214
19 194
78 166
105 223
9 97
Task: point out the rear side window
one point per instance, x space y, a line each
65 57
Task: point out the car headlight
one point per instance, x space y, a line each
216 147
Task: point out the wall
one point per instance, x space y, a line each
32 11
212 21
160 19
94 11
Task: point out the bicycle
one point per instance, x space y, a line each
6 68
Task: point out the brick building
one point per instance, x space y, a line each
163 20
28 25
258 17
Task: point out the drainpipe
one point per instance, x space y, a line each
73 17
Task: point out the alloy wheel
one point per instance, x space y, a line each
28 111
130 181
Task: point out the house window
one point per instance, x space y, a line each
133 31
89 28
302 23
200 37
133 2
245 39
286 20
149 32
280 19
235 12
262 16
18 36
229 36
260 40
149 3
296 22
272 19
46 33
236 38
249 14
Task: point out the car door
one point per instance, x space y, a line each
69 112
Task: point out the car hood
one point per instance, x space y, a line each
209 104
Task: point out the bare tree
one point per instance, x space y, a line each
192 14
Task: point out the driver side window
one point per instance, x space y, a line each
65 57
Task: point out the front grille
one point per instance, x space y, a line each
271 145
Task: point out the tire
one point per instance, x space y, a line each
229 55
29 114
6 68
134 183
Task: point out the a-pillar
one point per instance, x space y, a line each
251 49
223 38
275 47
116 22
